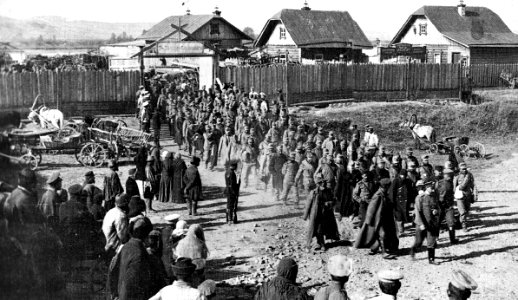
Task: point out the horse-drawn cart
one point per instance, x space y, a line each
447 145
105 145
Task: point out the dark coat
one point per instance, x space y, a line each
379 216
112 187
319 212
231 184
179 168
166 182
192 181
21 212
280 288
429 204
132 187
398 194
134 272
343 192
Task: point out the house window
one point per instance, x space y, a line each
214 28
319 57
437 58
282 33
422 29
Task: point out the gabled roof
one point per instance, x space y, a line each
480 27
8 47
192 22
316 27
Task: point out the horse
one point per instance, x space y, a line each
419 131
45 116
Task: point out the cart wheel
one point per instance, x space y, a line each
98 275
480 150
121 123
434 149
30 161
464 148
92 155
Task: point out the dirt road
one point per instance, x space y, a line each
244 255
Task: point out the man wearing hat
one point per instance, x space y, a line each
362 194
461 286
52 199
306 172
232 184
340 268
389 283
465 183
329 143
426 170
90 189
409 157
74 217
115 225
131 184
379 229
181 288
371 140
227 145
289 170
192 182
145 114
112 185
428 212
446 200
319 213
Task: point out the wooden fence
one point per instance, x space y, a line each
74 92
313 83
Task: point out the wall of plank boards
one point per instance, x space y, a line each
488 75
99 92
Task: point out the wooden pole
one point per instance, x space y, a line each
141 62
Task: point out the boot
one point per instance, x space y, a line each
453 240
227 213
234 217
431 256
189 207
412 254
150 205
194 208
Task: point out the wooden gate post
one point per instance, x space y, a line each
407 81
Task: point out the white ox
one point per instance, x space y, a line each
419 131
45 117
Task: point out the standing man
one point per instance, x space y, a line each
90 189
192 182
363 192
409 158
232 183
306 173
340 268
51 200
115 225
446 201
389 283
428 212
289 171
112 185
227 145
426 170
465 183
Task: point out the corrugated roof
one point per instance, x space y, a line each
481 26
192 22
308 27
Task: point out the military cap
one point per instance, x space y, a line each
448 165
75 189
463 166
429 182
340 266
463 281
439 168
385 182
389 276
395 160
293 154
54 178
425 156
419 183
448 171
89 174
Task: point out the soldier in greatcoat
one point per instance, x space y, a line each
446 199
232 184
192 182
289 171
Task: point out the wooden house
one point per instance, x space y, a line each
452 34
312 35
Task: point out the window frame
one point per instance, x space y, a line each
212 26
423 29
282 33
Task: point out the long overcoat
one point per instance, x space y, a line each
319 213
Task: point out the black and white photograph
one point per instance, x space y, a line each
261 150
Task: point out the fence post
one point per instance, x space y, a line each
407 81
286 86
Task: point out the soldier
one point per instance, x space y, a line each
409 158
340 268
90 188
389 283
446 200
306 172
380 172
289 170
192 182
362 193
428 212
426 170
211 143
227 145
112 185
232 183
249 160
329 143
51 200
464 183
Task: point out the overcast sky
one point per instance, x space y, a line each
378 18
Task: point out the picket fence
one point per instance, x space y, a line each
69 89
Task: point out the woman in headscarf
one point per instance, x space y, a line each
194 247
166 180
283 286
140 164
178 170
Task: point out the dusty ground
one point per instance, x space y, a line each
244 255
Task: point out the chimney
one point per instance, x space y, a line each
188 12
461 8
216 12
306 6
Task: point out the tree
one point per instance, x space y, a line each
250 32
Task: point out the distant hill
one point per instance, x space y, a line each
59 28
